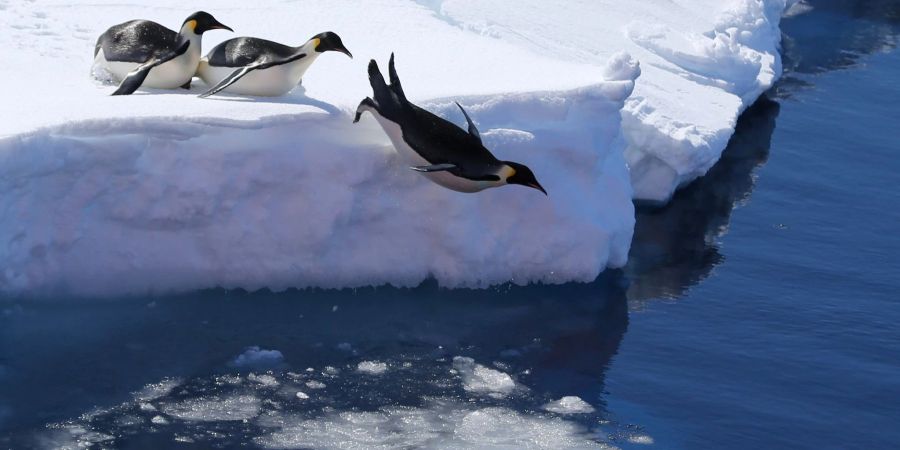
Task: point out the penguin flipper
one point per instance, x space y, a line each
136 77
239 73
395 80
434 167
472 130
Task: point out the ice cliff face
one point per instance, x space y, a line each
162 192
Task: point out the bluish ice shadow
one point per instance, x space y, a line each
296 97
677 246
834 35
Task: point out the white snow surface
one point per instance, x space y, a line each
163 192
703 63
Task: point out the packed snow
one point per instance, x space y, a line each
163 192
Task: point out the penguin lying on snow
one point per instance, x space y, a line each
445 153
255 66
145 53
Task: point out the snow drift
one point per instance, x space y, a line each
161 191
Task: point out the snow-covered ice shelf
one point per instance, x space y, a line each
161 191
703 62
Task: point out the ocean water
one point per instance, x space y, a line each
759 310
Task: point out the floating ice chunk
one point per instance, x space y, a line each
569 405
481 379
302 395
264 379
223 380
313 384
159 420
128 420
213 409
372 367
154 391
147 407
255 357
441 424
641 439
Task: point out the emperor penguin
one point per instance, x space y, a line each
445 153
254 66
144 53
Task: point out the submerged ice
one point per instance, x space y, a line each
163 192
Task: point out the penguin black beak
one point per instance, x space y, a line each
220 26
345 51
538 186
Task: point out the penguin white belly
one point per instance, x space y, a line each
443 178
169 75
271 82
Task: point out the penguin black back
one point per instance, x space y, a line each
431 136
243 51
136 41
453 157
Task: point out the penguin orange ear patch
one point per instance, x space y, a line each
192 24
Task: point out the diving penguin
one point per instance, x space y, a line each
254 66
145 53
443 152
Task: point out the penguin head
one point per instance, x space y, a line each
328 41
202 21
521 174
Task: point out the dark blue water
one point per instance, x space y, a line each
760 310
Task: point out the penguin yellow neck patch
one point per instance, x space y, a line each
507 172
315 43
192 25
